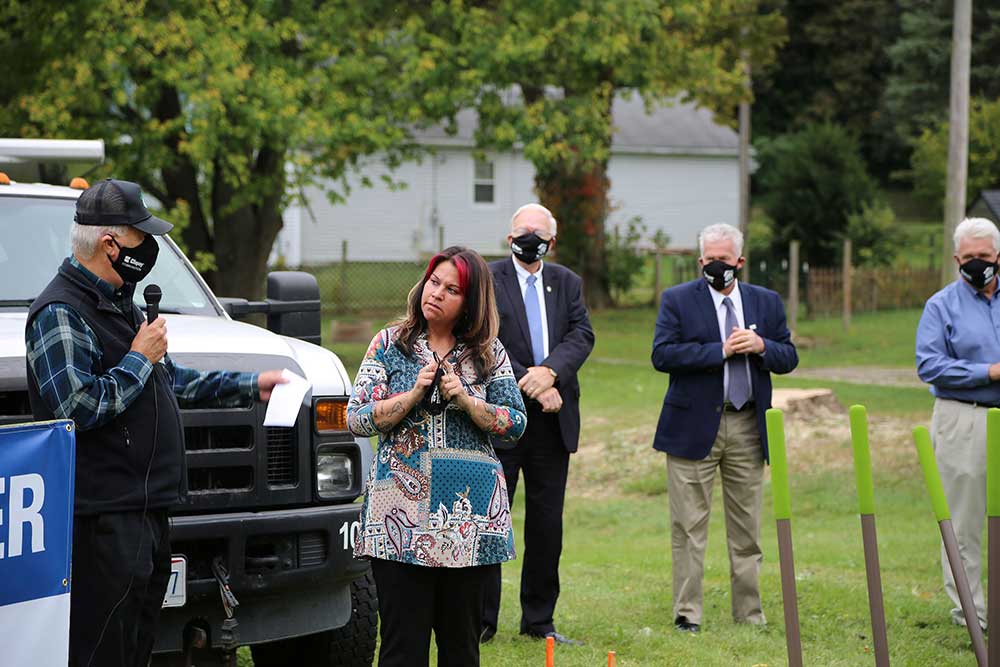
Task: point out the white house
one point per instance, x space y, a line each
676 168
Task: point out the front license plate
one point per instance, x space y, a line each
177 586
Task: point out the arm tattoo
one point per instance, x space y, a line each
388 413
494 419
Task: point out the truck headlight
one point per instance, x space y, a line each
334 473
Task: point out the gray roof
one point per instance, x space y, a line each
991 199
672 128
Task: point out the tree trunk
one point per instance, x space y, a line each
579 201
245 234
180 182
243 240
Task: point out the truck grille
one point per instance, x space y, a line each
312 549
199 439
281 459
14 407
235 462
227 479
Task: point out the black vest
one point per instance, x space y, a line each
113 460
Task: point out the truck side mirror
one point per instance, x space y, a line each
300 318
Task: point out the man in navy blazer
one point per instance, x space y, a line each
546 331
719 340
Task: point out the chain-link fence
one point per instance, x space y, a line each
359 288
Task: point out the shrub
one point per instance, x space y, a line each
812 181
624 256
873 240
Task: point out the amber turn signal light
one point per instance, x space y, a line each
331 415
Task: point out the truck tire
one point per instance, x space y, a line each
352 645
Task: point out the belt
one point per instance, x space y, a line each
729 407
977 404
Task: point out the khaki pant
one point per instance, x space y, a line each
959 431
737 454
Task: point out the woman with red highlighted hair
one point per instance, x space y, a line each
435 387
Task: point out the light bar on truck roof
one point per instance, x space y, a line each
51 150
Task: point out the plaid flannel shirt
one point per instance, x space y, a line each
63 351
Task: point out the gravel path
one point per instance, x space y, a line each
894 377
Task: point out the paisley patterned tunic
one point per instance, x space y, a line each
436 495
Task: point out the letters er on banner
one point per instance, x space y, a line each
36 529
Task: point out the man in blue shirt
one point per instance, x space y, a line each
958 354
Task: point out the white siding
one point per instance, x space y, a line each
482 227
382 224
677 194
377 223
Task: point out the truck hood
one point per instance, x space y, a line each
206 343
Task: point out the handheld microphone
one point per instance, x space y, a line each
152 294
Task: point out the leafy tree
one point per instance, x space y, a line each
917 91
223 110
833 68
873 242
930 156
813 181
548 74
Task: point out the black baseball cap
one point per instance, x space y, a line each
114 202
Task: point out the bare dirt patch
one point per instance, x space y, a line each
610 463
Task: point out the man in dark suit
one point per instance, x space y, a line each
719 340
546 330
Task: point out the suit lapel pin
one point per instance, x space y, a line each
548 288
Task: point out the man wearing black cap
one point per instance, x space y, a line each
93 358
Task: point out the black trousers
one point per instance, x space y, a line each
121 567
543 459
413 600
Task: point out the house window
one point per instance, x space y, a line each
483 186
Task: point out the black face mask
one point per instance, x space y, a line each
433 402
718 274
134 264
529 248
978 272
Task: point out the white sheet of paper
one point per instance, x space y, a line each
283 406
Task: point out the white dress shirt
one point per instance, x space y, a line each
522 280
720 313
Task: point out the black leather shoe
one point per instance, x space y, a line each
558 638
682 625
486 635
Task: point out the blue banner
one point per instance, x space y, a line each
36 538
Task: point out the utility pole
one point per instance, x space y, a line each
745 159
958 133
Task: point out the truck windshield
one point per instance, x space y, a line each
35 238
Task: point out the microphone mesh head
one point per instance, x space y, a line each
152 294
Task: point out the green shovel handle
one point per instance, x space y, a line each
779 464
922 439
862 459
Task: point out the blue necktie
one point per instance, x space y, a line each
739 382
534 313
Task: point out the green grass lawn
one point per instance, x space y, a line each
616 560
878 339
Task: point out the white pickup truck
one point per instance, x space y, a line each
274 507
